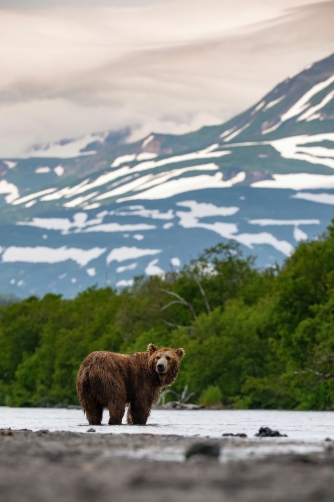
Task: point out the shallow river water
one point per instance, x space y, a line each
306 426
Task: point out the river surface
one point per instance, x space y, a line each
309 426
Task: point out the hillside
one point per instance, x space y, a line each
101 210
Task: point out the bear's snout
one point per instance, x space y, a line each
161 367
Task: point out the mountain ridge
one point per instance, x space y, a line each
162 199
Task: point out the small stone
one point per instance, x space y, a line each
266 432
91 430
328 439
208 449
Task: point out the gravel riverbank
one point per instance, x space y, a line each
69 467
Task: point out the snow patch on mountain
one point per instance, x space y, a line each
152 179
42 170
191 219
64 192
124 283
297 181
321 198
31 203
304 101
226 133
311 114
79 200
265 238
187 184
11 190
91 271
122 159
145 213
80 221
10 163
41 254
81 224
59 170
299 235
129 253
116 227
207 153
268 222
131 157
236 133
33 196
123 268
203 209
295 147
147 140
259 106
153 269
271 129
273 103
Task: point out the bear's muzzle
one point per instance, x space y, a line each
161 368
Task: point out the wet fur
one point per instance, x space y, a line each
107 380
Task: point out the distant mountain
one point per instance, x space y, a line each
100 210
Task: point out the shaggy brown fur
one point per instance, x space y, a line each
109 380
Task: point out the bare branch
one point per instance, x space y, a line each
161 399
172 303
189 396
181 300
181 398
203 294
184 393
325 359
322 376
172 325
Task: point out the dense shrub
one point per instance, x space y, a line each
211 396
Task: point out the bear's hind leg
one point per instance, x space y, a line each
138 413
94 413
116 412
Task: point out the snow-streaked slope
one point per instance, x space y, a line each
264 179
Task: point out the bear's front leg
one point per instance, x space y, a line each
138 413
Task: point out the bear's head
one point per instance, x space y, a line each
164 362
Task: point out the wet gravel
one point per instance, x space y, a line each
69 467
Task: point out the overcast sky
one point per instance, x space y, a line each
47 4
70 67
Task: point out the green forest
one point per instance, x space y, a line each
254 338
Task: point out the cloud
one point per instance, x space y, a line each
70 71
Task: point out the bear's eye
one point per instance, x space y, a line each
158 357
168 358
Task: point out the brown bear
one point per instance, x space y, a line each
110 380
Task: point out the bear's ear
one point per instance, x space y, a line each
180 352
152 348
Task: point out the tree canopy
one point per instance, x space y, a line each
258 338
